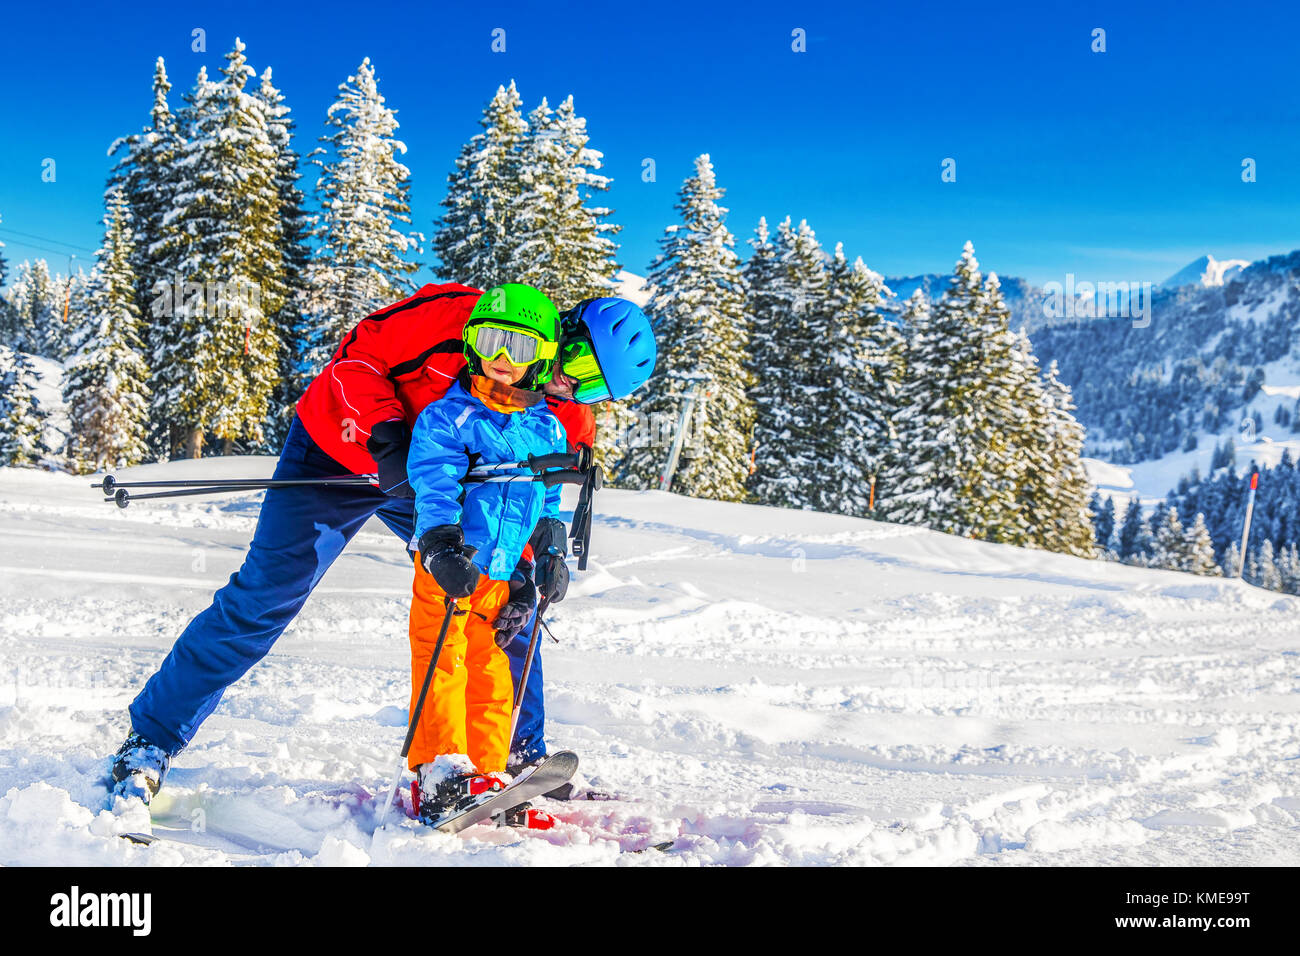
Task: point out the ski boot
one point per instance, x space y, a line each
578 787
139 767
450 785
526 817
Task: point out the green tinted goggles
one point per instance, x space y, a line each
579 361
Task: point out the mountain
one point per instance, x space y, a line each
1206 271
1209 360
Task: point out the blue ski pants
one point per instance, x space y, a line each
300 532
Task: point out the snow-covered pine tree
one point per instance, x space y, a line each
1102 515
761 318
697 305
862 372
1064 525
359 263
104 385
144 171
1231 558
217 356
1200 549
6 313
34 301
942 424
294 256
475 240
1169 548
1134 538
1017 463
561 244
791 400
1288 566
1263 568
21 419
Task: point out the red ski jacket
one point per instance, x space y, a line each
394 363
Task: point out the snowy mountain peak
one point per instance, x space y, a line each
1206 271
632 287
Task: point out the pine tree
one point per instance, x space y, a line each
1199 549
294 257
1169 549
1103 523
1288 566
359 263
943 425
790 390
1134 539
145 173
21 419
560 243
1263 568
1062 524
697 305
862 372
217 355
6 312
34 301
761 319
475 239
105 382
1231 559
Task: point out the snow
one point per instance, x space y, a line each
760 686
631 286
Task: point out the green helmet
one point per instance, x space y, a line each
520 321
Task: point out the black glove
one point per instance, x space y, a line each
442 554
550 543
388 444
514 614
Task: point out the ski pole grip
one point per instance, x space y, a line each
552 478
558 459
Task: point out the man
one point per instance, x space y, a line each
356 417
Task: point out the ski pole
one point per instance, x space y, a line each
548 478
124 497
450 605
581 460
110 482
528 668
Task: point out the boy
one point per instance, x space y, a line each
494 412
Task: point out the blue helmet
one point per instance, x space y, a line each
608 346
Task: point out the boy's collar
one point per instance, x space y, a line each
498 397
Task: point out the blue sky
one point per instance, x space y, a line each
1117 165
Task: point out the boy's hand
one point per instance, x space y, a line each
549 543
442 554
514 614
388 444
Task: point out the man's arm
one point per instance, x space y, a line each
384 346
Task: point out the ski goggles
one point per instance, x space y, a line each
578 361
520 346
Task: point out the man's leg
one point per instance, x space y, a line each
300 532
530 740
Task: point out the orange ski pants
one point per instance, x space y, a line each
467 710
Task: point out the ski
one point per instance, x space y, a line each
547 775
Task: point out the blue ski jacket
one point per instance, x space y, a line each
450 436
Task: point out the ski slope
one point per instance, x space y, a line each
759 686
